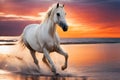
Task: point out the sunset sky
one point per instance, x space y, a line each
86 18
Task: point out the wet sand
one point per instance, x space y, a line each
86 62
39 77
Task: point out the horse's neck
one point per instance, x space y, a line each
51 27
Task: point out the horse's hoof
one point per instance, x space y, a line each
63 67
54 70
57 74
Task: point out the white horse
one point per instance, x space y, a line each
43 37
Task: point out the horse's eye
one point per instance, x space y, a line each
58 14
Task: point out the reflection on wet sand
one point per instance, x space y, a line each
38 77
86 62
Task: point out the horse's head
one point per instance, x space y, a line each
59 17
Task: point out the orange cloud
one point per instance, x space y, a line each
11 17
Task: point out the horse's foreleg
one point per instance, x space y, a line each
45 61
46 53
32 52
60 51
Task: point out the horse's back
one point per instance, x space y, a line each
30 26
30 30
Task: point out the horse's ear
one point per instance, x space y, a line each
63 5
57 5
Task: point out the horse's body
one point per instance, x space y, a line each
43 37
37 42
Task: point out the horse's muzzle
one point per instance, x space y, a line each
64 26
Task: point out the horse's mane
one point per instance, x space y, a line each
50 11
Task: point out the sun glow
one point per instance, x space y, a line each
5 49
4 72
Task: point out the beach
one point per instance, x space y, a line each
86 62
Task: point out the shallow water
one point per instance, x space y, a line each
86 62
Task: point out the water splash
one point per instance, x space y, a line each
18 60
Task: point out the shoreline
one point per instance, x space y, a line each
14 43
65 41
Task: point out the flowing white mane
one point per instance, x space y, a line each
50 11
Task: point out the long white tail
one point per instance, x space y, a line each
20 41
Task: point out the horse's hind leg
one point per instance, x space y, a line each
32 52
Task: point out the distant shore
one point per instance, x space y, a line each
89 40
70 41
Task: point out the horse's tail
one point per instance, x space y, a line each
20 41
